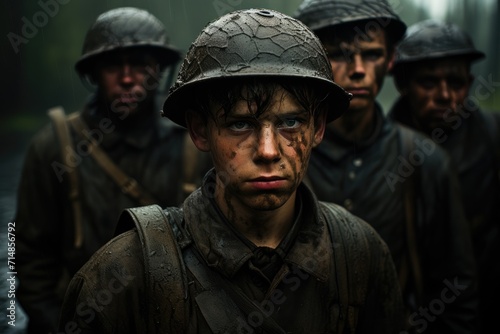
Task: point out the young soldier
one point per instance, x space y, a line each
260 252
432 71
388 175
81 171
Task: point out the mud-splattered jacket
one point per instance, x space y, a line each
306 279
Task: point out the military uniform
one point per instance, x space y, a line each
151 153
302 271
473 148
397 180
368 177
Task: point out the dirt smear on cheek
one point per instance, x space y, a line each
299 143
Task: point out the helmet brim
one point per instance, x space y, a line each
165 55
180 100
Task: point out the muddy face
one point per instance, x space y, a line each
260 160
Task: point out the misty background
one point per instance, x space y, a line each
42 39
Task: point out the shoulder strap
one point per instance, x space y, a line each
411 263
127 184
163 267
61 126
343 282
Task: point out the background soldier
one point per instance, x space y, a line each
392 177
432 71
80 172
256 244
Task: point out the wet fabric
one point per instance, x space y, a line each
472 147
367 178
303 296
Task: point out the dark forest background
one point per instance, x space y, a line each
41 74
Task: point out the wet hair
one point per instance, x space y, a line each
259 92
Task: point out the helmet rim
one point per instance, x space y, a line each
322 14
124 28
417 44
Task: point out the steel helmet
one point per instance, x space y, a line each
253 43
320 14
431 39
124 28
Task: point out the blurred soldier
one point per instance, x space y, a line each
80 172
432 71
254 251
392 177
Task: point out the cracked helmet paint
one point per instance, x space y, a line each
252 43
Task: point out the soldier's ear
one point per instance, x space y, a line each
392 57
198 130
319 127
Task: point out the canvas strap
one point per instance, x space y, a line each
163 267
61 127
410 263
127 184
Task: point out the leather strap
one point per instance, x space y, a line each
59 120
163 267
332 216
410 202
127 184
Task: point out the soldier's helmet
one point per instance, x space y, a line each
254 43
432 39
126 27
321 14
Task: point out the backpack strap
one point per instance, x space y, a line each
163 267
58 118
410 263
342 279
127 184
